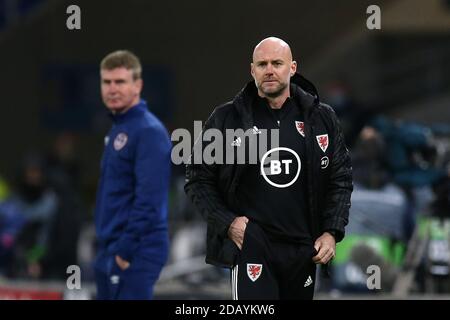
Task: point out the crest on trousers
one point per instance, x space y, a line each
322 140
300 125
120 141
254 271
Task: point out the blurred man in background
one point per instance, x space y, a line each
131 208
273 233
27 222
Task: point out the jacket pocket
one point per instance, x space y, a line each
229 253
115 277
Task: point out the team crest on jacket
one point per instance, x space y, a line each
300 125
254 271
322 140
120 141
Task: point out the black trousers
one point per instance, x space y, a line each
269 269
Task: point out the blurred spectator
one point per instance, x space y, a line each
433 270
410 155
26 221
11 223
379 207
64 178
352 115
62 164
410 152
377 217
40 221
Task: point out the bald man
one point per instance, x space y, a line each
273 221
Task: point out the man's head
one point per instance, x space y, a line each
121 81
272 67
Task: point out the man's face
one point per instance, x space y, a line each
272 68
119 90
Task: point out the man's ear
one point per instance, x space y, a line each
139 85
251 70
293 68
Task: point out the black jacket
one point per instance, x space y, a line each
212 188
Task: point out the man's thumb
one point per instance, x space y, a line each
317 246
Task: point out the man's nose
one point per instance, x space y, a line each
112 87
269 69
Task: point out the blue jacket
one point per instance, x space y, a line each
132 196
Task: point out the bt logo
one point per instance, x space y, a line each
277 167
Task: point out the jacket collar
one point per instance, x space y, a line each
134 111
302 90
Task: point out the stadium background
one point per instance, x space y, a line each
196 55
